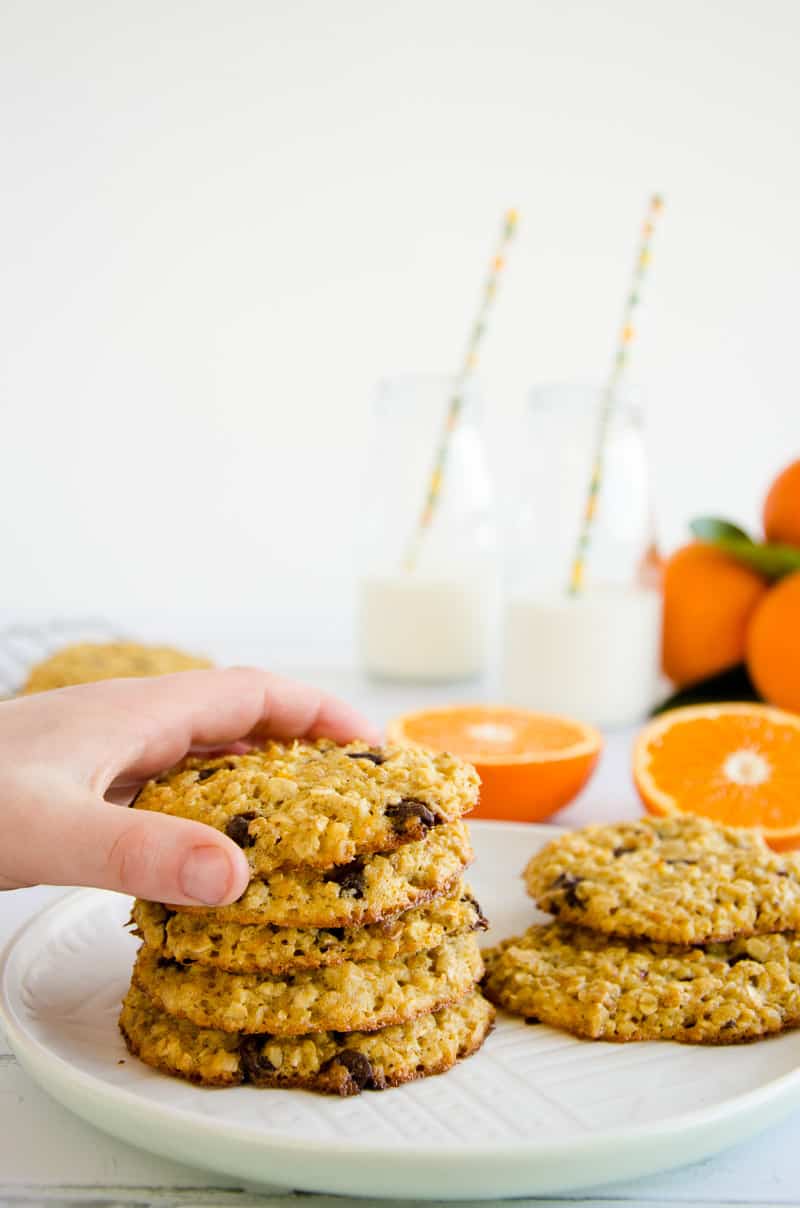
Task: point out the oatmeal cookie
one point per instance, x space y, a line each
243 948
345 998
86 662
316 804
367 889
614 989
681 880
321 1061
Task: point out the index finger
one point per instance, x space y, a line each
142 726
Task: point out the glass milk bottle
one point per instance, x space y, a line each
593 655
426 597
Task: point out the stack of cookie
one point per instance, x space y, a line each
665 929
351 960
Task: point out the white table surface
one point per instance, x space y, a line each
50 1156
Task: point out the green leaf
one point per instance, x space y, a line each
772 561
733 684
711 528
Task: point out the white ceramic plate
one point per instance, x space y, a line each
535 1111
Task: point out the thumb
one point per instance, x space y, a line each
149 855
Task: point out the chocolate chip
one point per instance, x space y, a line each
568 883
372 756
349 877
481 921
360 1072
254 1061
207 773
729 1023
564 880
408 811
238 829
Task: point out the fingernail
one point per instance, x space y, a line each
205 875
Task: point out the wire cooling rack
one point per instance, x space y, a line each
22 645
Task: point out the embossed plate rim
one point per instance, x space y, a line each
450 1171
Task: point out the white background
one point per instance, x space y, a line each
222 222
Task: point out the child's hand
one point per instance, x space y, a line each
66 755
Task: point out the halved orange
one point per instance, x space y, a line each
738 764
530 764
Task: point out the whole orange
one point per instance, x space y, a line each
782 507
708 601
773 644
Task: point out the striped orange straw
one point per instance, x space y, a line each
456 403
609 397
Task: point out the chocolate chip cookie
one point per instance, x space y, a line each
266 949
345 998
367 889
316 804
322 1061
679 880
614 989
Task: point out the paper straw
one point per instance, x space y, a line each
609 397
455 405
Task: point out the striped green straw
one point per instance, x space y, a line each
456 403
609 398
